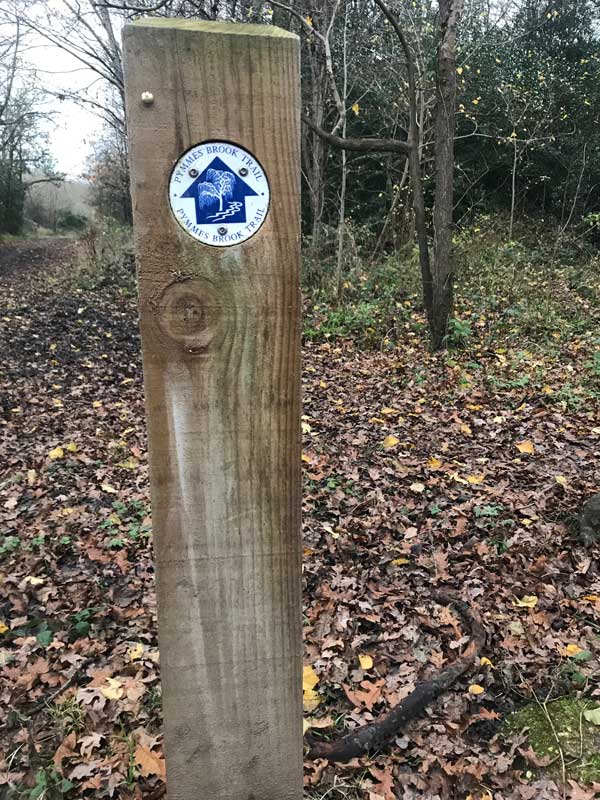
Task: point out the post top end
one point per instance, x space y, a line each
204 26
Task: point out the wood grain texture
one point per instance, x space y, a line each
220 338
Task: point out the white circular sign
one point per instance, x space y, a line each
219 193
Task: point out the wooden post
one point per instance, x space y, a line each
213 123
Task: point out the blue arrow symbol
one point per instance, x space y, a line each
219 194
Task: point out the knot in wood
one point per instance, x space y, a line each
188 314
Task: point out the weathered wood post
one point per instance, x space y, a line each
213 122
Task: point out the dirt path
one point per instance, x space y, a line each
24 259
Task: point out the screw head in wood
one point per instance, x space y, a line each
147 98
243 171
193 173
222 230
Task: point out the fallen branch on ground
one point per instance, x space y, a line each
376 735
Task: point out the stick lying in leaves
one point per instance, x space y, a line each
377 734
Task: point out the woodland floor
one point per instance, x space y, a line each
420 473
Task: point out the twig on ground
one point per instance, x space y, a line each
377 735
57 692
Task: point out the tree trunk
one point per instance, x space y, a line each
442 272
314 148
339 278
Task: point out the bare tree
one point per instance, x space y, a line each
437 275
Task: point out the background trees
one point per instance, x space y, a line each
417 117
22 141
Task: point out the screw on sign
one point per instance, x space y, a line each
220 344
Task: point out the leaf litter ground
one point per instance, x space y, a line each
421 473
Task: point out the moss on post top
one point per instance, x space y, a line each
203 26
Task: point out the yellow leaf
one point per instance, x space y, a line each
305 726
390 441
397 562
309 678
485 662
593 598
97 404
459 70
115 519
476 689
547 390
475 478
135 652
527 601
3 627
309 21
310 700
72 447
306 459
434 463
108 488
389 412
31 476
417 488
356 109
58 403
562 481
130 463
112 690
366 662
466 429
33 581
476 101
526 446
58 452
571 650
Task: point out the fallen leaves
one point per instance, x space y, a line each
449 500
367 695
476 689
148 762
311 699
365 661
527 601
113 689
525 446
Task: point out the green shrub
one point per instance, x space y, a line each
105 257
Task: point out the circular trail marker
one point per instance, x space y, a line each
219 193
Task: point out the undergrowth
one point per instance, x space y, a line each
520 303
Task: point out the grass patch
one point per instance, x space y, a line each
578 738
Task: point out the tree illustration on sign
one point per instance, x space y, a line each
218 194
217 187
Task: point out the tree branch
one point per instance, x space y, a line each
359 145
378 734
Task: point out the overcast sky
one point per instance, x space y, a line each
73 128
